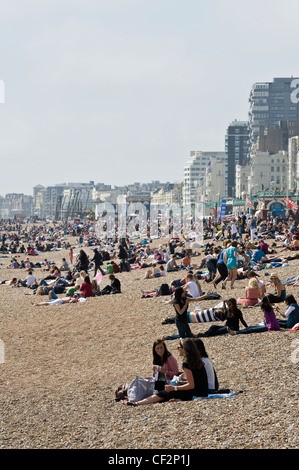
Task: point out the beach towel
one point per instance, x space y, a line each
203 316
217 395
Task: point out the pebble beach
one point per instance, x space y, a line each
63 363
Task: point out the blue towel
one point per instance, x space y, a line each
276 265
217 395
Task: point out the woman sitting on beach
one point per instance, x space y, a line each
192 286
269 324
86 287
280 290
261 284
291 314
252 293
195 374
234 317
165 365
293 245
82 261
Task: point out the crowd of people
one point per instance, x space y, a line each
239 249
244 252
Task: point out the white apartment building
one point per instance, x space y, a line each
242 177
269 172
214 186
194 174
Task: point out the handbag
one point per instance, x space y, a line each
140 388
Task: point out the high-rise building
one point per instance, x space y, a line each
236 149
276 138
272 102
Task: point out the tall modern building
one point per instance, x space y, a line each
277 138
272 102
236 149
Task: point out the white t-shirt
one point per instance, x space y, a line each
193 289
30 280
210 373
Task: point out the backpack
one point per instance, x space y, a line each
213 295
163 290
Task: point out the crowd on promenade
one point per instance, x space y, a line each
240 248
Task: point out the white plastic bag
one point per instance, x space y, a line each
140 388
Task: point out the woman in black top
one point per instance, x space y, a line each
82 261
195 384
181 302
98 261
234 317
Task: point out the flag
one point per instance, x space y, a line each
249 203
223 207
291 204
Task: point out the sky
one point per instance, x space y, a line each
121 91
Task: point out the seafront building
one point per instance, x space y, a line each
236 149
194 182
270 103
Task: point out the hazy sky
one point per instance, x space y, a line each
121 91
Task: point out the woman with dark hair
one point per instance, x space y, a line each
165 365
270 322
122 253
98 261
82 261
86 287
196 384
291 314
233 319
181 302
